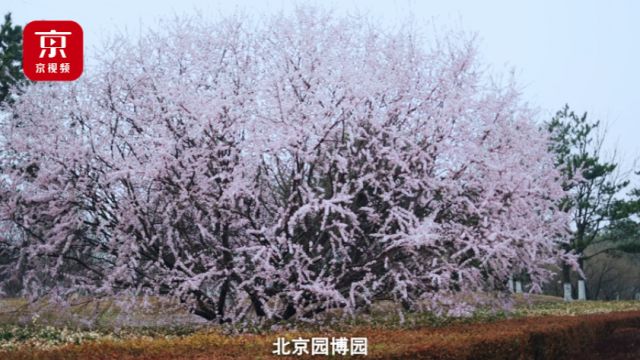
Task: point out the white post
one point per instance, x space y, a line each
518 286
582 293
567 292
510 284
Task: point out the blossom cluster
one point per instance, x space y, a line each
283 169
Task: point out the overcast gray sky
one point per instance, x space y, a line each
584 53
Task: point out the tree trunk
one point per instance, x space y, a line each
566 282
582 282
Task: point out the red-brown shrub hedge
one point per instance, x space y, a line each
548 337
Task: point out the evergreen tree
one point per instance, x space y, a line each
592 183
10 57
623 233
10 74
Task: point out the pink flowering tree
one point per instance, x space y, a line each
279 170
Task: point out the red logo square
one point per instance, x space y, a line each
52 50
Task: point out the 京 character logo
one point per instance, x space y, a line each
52 50
53 41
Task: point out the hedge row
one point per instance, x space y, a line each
549 337
552 337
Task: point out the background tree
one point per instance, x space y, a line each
617 252
10 57
593 185
625 213
281 169
620 242
623 233
10 75
612 275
